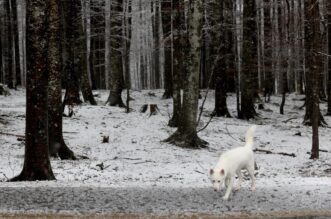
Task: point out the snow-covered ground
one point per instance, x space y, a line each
144 175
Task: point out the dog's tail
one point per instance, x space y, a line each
250 137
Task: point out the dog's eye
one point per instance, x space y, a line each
219 181
213 181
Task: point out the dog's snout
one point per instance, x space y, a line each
215 190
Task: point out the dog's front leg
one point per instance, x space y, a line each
228 189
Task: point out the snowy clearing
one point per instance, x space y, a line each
143 175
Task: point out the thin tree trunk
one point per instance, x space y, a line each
85 85
166 9
282 11
313 40
178 57
329 58
9 70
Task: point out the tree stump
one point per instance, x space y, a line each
152 109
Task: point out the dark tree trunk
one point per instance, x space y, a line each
85 85
166 10
116 72
15 46
329 59
268 76
178 57
126 51
249 76
283 56
314 63
220 40
57 146
9 71
70 12
156 37
186 134
36 161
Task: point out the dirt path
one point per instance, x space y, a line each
54 202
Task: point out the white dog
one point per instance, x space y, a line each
232 162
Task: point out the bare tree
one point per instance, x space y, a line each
36 160
313 43
56 142
186 134
116 82
249 68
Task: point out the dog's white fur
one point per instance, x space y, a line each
231 163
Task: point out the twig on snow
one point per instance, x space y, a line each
270 152
286 121
10 134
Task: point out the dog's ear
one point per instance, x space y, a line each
222 171
211 171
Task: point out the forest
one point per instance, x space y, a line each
131 102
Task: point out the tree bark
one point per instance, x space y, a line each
70 12
116 72
166 9
36 161
329 57
249 77
220 39
9 70
178 59
186 134
313 46
314 61
57 146
282 11
85 85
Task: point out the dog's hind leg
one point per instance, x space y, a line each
228 189
250 170
240 177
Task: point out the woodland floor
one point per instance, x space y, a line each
143 176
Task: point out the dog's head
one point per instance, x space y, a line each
217 177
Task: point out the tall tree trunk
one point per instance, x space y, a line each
15 47
56 142
268 48
166 9
314 61
82 66
178 60
116 71
157 45
249 76
329 58
220 39
126 49
283 16
70 12
313 47
186 134
9 71
36 161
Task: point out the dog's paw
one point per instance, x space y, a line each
253 189
225 198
